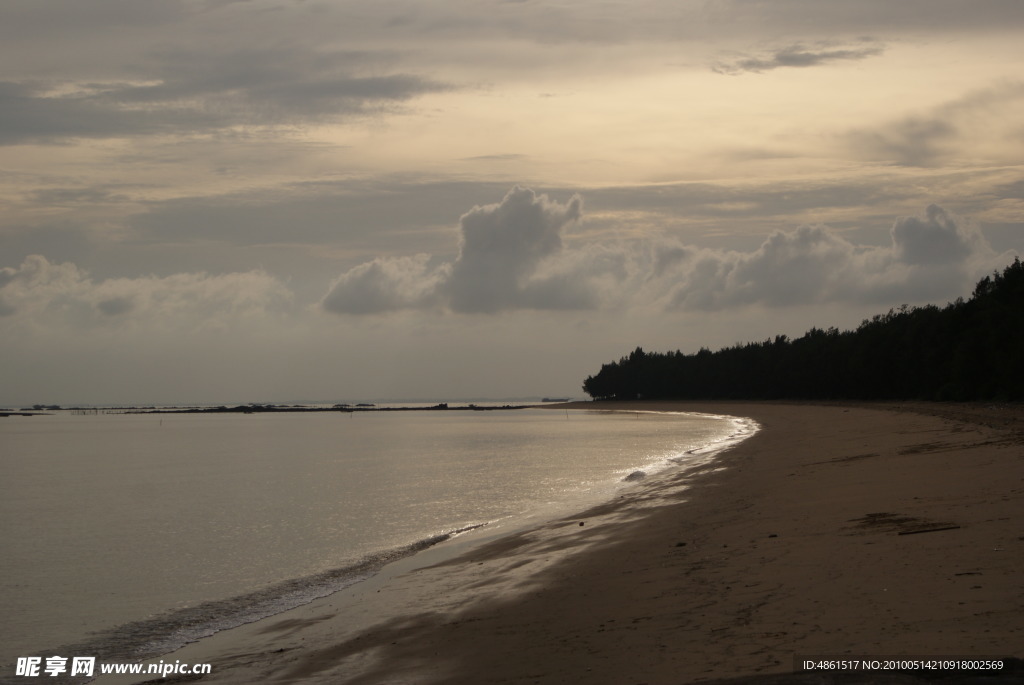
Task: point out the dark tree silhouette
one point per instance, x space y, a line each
969 350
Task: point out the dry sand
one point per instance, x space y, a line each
836 530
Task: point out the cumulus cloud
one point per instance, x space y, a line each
794 267
935 257
501 247
39 291
936 238
384 285
796 55
512 256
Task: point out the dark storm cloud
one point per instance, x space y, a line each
796 55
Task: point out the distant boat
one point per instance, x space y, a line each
555 399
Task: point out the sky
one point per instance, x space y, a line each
213 201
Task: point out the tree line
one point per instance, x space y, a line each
967 350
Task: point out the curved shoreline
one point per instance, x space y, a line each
786 552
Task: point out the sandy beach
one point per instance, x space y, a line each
843 531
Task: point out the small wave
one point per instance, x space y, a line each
740 428
172 630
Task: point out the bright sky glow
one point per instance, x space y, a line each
276 200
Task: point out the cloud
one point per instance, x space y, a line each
369 214
186 93
796 55
911 142
937 238
507 157
793 267
508 259
931 258
74 197
981 125
384 285
41 292
907 17
501 248
512 257
116 306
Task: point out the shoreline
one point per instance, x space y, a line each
792 549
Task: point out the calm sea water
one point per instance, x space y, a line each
129 535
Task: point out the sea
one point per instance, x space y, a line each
127 535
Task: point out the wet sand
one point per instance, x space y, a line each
849 531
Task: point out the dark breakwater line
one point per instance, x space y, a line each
273 408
